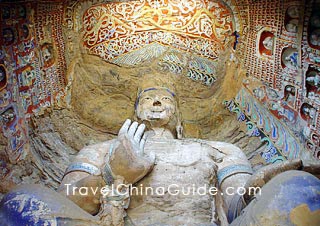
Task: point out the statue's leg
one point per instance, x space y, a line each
38 205
290 198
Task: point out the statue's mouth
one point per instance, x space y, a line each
158 111
157 114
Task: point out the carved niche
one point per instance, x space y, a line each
266 43
289 58
3 77
314 28
291 20
312 83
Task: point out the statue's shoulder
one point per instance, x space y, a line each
99 145
220 144
218 147
215 144
94 153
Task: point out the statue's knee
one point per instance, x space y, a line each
294 187
38 205
281 197
21 207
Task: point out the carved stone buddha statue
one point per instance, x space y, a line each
151 175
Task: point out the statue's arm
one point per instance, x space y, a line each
233 170
125 164
108 165
84 192
83 179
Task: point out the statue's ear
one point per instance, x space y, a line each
138 92
136 104
179 127
137 100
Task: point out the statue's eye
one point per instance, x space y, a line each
147 98
166 98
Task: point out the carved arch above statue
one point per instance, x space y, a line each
205 27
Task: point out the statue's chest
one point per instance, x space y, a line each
170 192
181 161
177 153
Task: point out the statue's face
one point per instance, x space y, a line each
156 106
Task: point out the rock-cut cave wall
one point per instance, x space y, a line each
245 72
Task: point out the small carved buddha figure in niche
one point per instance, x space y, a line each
308 112
292 26
314 30
313 84
289 94
293 11
266 43
315 37
290 58
292 19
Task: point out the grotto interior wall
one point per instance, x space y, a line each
71 80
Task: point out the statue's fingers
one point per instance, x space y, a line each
132 129
139 132
124 128
142 142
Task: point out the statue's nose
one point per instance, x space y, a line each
157 103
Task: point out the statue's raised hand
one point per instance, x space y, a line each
134 134
128 159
